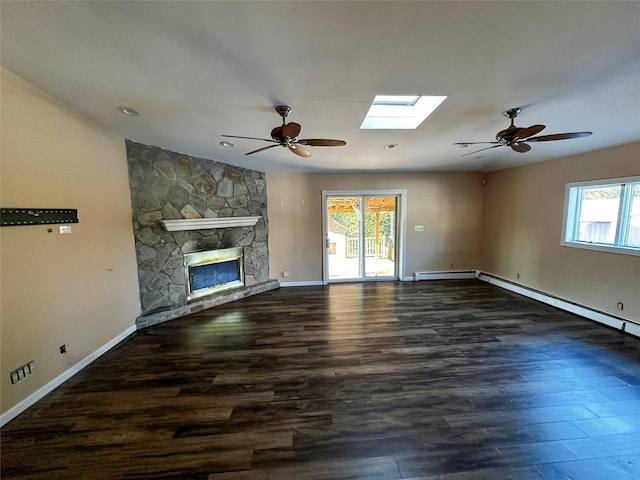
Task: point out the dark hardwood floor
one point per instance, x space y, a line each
425 380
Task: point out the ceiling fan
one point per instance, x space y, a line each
517 138
287 136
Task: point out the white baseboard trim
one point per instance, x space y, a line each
444 275
589 313
310 283
20 407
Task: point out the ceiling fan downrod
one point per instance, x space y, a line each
512 113
283 111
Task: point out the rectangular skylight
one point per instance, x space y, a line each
399 112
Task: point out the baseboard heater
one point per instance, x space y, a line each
444 275
599 316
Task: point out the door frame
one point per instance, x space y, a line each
401 215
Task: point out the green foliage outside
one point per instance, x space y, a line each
350 221
601 193
607 193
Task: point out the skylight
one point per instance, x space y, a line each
399 112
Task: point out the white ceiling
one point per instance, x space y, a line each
197 70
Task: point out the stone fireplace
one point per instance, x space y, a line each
183 205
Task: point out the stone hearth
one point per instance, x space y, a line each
144 321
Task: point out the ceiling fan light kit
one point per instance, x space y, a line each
286 135
517 138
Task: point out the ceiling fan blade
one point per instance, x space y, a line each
291 130
482 150
521 147
261 149
248 138
510 132
559 136
474 143
299 150
276 134
322 142
528 132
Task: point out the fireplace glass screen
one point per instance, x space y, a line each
214 274
213 271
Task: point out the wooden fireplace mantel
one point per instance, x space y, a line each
209 223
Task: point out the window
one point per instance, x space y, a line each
603 215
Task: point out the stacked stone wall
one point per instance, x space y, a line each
166 186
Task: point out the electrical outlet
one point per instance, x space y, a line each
285 273
22 371
64 229
620 306
418 228
63 349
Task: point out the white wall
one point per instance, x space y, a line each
449 205
522 222
81 289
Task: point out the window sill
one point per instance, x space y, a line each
602 248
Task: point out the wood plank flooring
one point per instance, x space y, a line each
415 380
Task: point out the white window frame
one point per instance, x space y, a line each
572 214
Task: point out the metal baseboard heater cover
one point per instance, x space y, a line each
444 275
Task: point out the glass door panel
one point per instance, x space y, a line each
380 236
360 237
342 237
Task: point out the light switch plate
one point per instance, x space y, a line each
418 228
64 229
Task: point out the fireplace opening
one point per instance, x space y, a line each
213 271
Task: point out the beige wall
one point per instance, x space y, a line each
80 289
449 205
522 223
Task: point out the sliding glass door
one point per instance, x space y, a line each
361 241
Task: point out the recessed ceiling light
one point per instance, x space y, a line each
130 112
226 144
389 146
399 112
